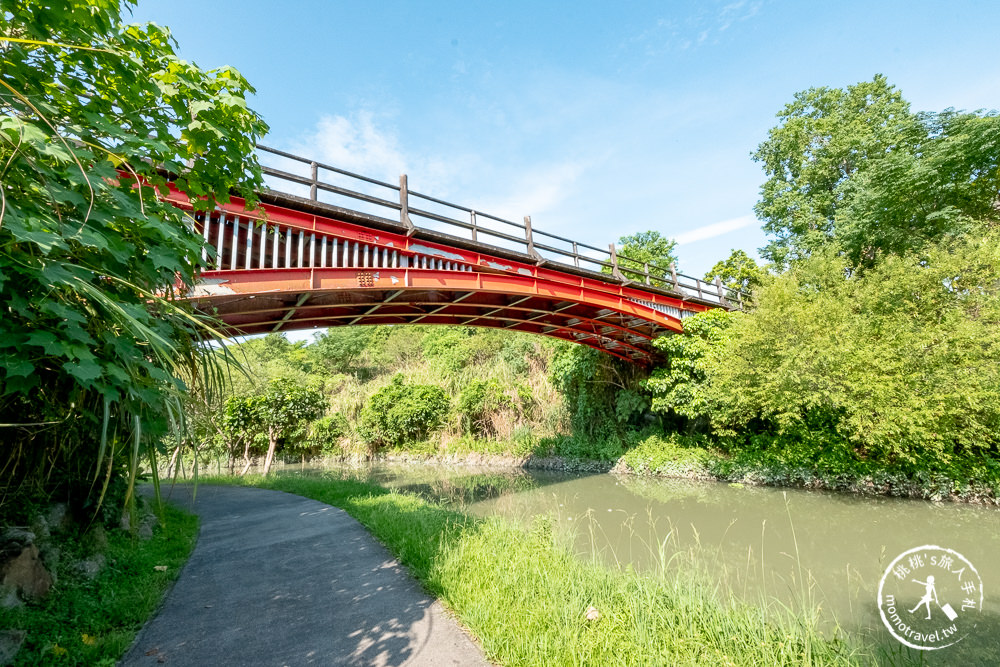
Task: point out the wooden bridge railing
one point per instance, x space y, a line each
476 225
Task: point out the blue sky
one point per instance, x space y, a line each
597 119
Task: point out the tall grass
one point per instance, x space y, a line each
525 596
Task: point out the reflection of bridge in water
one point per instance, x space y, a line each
324 254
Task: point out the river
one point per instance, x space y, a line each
796 548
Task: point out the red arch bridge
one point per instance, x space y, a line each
330 248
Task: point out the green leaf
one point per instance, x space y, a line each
86 371
18 368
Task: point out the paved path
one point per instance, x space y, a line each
277 579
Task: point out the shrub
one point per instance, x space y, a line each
673 455
401 412
323 434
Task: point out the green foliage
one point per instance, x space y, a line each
856 168
342 349
737 272
447 348
671 455
285 405
282 411
824 136
240 424
93 622
591 383
401 412
90 349
324 433
901 362
647 248
947 186
482 402
679 385
347 365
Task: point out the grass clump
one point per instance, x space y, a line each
525 597
94 621
670 455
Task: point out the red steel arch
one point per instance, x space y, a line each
297 263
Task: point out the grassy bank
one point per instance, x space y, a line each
87 621
964 480
525 597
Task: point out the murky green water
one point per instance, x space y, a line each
787 547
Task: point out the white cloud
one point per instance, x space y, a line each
355 144
541 190
702 26
715 229
359 143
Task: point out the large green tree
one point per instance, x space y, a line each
739 272
823 137
94 114
283 408
948 186
856 169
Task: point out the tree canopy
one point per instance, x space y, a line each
649 248
874 342
858 169
739 271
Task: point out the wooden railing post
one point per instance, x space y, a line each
576 255
472 215
404 206
314 176
530 241
718 287
673 276
645 269
614 263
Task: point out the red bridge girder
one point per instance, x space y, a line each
300 264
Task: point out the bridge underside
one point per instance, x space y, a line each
617 333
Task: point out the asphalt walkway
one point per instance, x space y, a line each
277 579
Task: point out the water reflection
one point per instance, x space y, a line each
798 548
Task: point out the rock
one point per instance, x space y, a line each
592 614
58 517
10 644
50 559
16 538
9 599
26 574
97 539
40 527
149 521
90 567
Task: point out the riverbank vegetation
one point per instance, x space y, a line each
526 598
